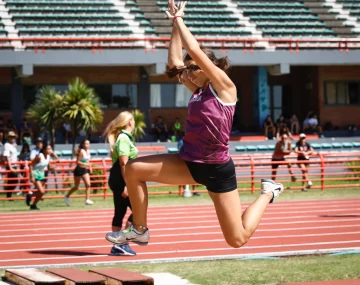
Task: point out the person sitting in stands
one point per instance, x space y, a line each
313 126
161 130
177 128
26 134
269 127
294 124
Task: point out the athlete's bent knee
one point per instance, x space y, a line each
237 242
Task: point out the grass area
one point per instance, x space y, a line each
176 200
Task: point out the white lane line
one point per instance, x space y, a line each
174 235
179 242
307 217
182 208
188 251
179 217
183 228
175 211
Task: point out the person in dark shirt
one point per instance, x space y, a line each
161 130
304 150
283 147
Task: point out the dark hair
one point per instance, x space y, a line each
80 147
25 146
222 63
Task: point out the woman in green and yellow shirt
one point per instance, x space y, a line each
122 148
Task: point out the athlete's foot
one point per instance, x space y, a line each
304 190
309 184
122 250
34 207
67 201
89 202
293 179
127 235
269 186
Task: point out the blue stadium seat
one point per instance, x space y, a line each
336 145
262 147
173 150
93 152
316 146
58 153
66 152
251 148
356 144
103 151
240 148
271 147
326 146
347 145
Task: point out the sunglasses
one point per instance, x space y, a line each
193 67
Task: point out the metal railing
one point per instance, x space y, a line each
97 44
326 171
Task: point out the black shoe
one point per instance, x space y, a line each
28 199
34 207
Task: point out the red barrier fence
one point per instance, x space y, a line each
326 171
41 44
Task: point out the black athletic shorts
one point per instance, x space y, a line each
80 171
218 178
275 165
303 160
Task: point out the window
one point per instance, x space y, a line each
342 93
125 94
5 97
169 95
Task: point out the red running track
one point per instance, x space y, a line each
64 238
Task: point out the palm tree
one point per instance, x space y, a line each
139 119
81 108
47 110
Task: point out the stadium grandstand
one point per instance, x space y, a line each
288 57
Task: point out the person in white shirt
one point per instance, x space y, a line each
37 149
11 158
38 178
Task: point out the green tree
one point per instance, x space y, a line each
140 125
47 110
81 108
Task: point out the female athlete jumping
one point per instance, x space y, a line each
204 157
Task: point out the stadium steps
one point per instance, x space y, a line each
328 14
7 27
93 18
204 18
271 14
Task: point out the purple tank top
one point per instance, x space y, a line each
208 127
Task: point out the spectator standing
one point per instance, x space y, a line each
24 156
11 157
122 149
283 147
269 127
304 150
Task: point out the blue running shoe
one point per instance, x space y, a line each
122 250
